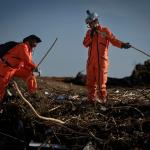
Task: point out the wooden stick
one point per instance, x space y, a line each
56 121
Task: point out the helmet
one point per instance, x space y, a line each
38 40
91 17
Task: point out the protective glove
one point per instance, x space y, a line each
94 30
125 45
36 70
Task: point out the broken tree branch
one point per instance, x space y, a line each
56 121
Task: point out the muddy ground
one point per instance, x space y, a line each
122 123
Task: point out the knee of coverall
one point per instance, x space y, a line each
91 74
28 77
32 84
101 85
23 73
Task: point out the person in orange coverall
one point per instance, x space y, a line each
17 62
97 39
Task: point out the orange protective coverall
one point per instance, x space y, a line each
97 63
19 64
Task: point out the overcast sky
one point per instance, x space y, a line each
129 20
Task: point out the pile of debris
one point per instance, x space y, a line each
123 123
141 73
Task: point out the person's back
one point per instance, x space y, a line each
17 55
5 47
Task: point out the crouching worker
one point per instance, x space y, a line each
17 62
97 40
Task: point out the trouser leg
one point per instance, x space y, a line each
90 82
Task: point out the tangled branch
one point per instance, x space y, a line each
56 121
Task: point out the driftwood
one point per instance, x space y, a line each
56 121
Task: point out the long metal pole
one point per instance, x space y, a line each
140 51
47 52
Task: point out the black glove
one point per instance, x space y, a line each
125 45
94 30
36 70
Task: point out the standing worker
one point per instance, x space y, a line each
97 39
17 62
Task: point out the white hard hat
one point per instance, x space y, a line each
91 17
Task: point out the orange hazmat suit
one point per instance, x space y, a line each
17 62
97 63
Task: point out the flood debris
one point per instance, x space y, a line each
122 123
89 146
